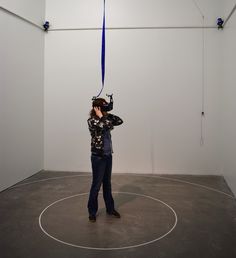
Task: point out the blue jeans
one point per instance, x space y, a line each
101 167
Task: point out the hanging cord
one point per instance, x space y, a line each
103 50
203 73
203 83
199 9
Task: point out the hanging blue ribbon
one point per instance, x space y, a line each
103 45
103 50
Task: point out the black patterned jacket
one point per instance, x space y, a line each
97 127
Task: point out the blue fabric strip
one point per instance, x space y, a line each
103 45
103 51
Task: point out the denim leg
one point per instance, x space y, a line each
98 168
107 191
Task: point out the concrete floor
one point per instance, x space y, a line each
163 216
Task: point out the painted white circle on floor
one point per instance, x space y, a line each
59 236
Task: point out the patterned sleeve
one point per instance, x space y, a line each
103 123
115 120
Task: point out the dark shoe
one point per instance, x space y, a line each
114 213
92 218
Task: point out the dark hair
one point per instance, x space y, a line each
96 103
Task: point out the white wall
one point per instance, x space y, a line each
21 92
228 102
87 13
155 76
162 69
33 10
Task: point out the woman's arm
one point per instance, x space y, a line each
115 120
103 122
97 124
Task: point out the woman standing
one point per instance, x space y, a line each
100 124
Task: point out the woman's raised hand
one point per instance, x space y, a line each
98 111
